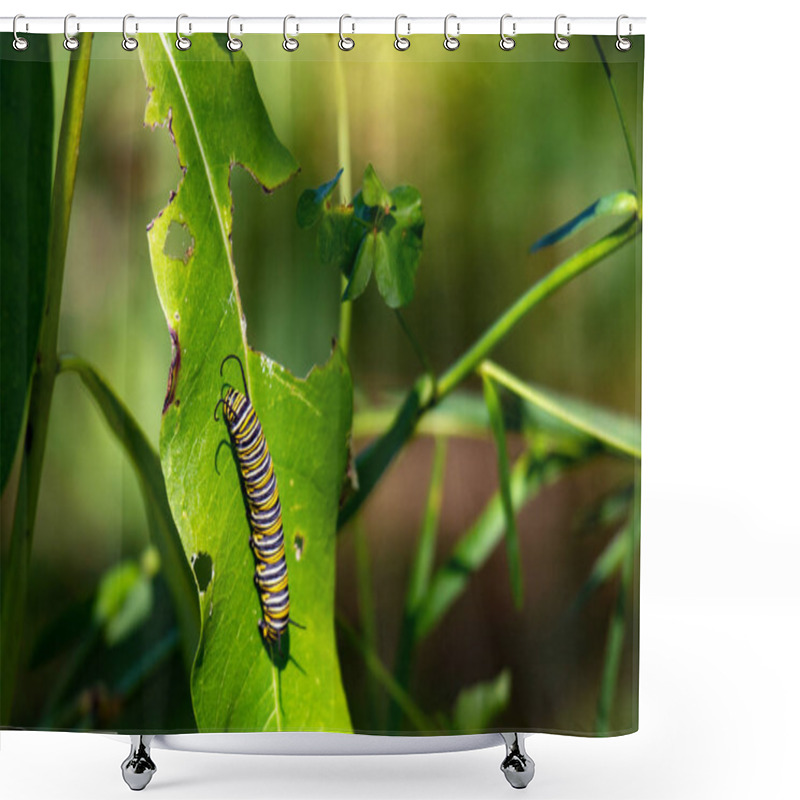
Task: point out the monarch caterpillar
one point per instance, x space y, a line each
263 508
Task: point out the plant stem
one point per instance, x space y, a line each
555 279
626 133
44 374
345 182
417 347
373 461
420 577
366 609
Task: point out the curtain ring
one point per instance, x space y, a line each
233 44
345 42
451 42
623 44
560 43
289 44
128 42
181 42
400 42
70 42
19 42
506 42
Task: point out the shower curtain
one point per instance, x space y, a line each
320 385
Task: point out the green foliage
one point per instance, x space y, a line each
236 683
492 400
380 233
124 600
620 204
26 156
478 705
147 465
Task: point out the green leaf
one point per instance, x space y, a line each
396 273
371 252
26 157
147 465
124 601
617 204
616 431
373 190
237 684
477 706
528 476
512 534
339 238
311 205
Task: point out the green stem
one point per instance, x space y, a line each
366 609
417 347
373 461
554 280
420 577
626 133
395 691
345 182
43 379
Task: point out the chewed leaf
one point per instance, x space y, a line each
237 683
617 204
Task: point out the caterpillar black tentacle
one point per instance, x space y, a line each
263 504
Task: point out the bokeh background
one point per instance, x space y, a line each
503 146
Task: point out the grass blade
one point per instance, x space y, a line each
616 431
147 465
15 569
478 705
393 688
616 204
512 534
528 476
420 577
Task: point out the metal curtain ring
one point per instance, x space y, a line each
70 42
560 43
289 44
623 44
233 44
451 42
181 42
345 42
507 42
400 42
19 42
128 42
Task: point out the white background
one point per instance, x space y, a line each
721 538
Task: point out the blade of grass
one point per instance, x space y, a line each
15 571
618 203
372 462
528 477
614 430
492 400
393 688
147 466
625 132
616 629
420 577
366 610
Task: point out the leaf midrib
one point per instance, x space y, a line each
221 227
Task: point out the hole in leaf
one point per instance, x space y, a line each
299 546
203 568
179 243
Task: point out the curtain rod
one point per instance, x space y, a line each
407 26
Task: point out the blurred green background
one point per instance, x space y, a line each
503 148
